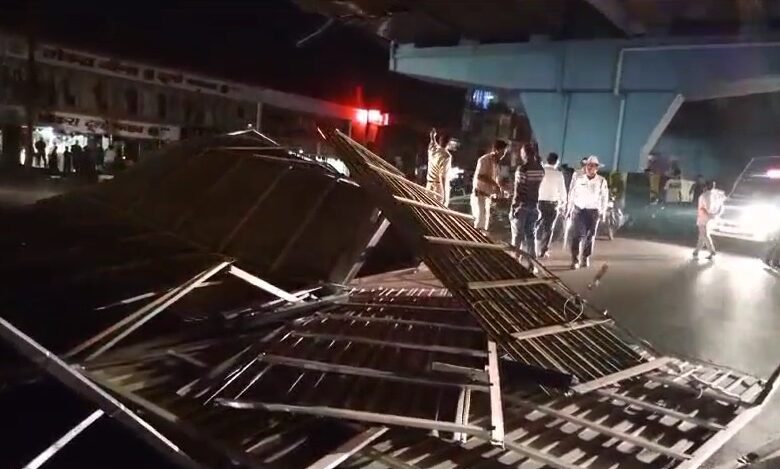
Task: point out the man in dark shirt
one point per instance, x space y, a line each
525 204
697 189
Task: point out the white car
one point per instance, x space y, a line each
752 209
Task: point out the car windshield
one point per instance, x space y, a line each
758 187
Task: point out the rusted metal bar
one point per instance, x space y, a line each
433 208
49 452
464 244
611 432
392 320
326 367
348 448
263 285
358 415
621 375
496 408
549 330
372 243
512 282
406 345
658 409
178 294
73 379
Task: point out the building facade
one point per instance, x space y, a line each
80 97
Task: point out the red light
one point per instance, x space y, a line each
362 116
372 116
773 174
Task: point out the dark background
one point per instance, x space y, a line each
250 42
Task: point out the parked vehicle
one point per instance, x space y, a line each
752 209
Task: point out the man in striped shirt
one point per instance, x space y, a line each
439 165
525 204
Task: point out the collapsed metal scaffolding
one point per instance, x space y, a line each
240 369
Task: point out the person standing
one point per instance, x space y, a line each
552 199
486 184
697 189
439 165
109 159
54 164
710 207
588 199
524 212
67 161
40 152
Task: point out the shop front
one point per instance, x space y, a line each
59 134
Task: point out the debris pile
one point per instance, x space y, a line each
205 305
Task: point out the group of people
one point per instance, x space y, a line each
540 196
84 161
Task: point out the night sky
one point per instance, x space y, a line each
250 42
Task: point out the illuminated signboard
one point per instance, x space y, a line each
372 116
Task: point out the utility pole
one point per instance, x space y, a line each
31 94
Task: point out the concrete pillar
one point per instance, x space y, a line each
646 117
578 124
547 113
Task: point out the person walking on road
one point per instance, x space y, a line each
439 165
486 184
588 199
524 212
552 199
710 208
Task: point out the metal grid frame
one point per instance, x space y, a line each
642 422
505 297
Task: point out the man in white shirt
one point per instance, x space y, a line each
486 184
552 199
109 158
710 208
588 199
439 165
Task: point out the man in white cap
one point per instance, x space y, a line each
588 199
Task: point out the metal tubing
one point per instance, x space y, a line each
362 416
76 381
47 454
263 285
348 448
179 293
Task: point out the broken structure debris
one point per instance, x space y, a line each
214 321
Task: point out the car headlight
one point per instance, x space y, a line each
761 218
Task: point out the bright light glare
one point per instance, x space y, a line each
372 116
760 219
454 173
773 174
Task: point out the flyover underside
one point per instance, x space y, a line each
616 128
608 98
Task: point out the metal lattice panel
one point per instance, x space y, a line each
505 297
